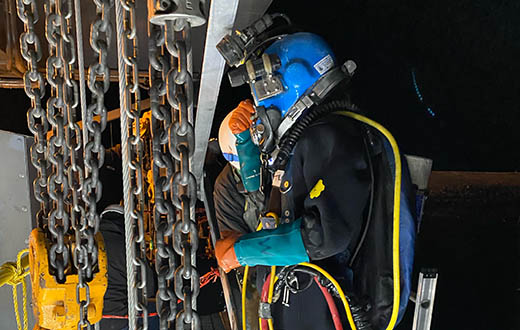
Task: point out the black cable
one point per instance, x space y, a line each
305 287
359 314
273 33
264 43
281 15
370 205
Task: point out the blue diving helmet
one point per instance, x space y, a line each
286 77
294 73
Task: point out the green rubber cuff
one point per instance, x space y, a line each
282 246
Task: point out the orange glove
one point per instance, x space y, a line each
241 117
225 251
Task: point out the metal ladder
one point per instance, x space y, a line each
424 299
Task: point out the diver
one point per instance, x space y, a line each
323 184
112 227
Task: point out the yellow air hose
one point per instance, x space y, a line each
244 283
395 239
397 208
340 291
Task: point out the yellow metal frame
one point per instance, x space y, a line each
54 305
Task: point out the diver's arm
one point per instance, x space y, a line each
331 164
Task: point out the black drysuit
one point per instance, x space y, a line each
330 157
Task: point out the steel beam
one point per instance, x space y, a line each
221 18
224 15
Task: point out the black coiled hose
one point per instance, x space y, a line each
289 141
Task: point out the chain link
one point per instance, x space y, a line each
34 86
62 189
128 48
85 217
173 143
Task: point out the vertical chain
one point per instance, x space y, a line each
163 169
132 148
86 224
34 86
183 184
173 133
58 105
66 183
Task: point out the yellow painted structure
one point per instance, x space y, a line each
55 306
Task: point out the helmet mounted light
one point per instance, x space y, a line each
237 47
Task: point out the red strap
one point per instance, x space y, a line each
124 317
209 277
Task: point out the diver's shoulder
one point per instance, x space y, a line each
333 125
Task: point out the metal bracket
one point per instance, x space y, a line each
425 299
264 310
267 87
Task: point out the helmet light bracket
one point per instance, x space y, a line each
266 87
254 69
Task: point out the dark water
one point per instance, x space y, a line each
464 54
473 237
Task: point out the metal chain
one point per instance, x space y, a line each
163 169
183 184
86 222
132 148
171 79
34 86
67 180
59 104
84 248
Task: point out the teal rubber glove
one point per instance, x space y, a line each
282 246
249 158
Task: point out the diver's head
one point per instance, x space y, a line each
287 73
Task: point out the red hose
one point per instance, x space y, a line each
328 297
264 298
332 305
125 317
